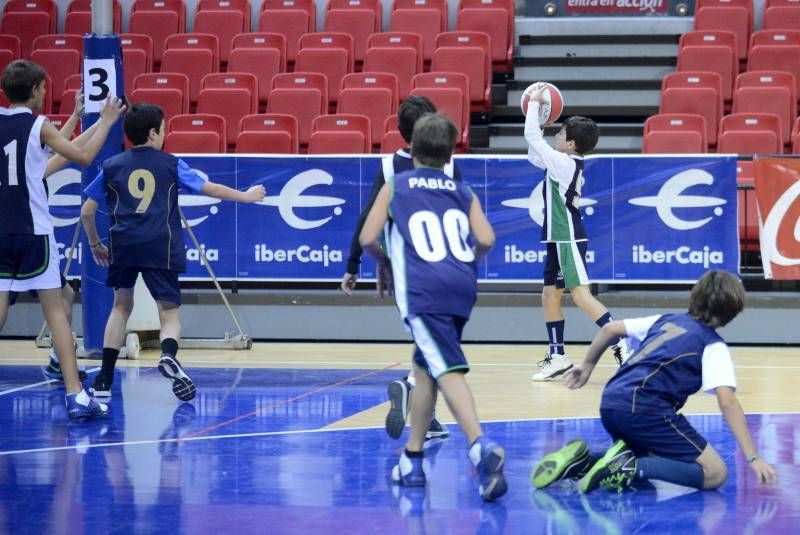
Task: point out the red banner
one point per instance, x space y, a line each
778 196
615 7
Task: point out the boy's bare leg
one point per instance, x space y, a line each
3 308
422 404
459 398
551 303
169 314
114 336
588 303
68 296
54 313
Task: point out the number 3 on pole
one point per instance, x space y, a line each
99 81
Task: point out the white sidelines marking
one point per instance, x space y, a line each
40 383
310 431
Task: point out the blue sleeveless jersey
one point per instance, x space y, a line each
665 370
141 188
429 244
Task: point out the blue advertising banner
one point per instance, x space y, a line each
649 219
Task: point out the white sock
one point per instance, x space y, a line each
53 355
82 397
475 453
411 380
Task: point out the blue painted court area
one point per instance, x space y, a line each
248 456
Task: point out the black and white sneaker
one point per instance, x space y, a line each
182 386
399 392
437 430
101 387
53 370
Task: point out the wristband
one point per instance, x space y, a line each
752 458
93 245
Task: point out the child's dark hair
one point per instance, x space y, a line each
717 298
433 140
19 79
409 112
140 119
583 131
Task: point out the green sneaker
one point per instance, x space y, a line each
614 471
570 462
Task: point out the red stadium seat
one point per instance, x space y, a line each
59 42
225 19
796 137
79 17
767 92
260 54
196 133
449 92
72 87
776 58
193 54
340 133
263 40
167 80
328 53
59 64
290 18
137 56
732 19
231 95
718 59
470 53
437 5
303 95
669 142
373 94
425 22
396 53
273 133
493 23
392 140
47 7
26 27
782 18
678 123
775 38
159 19
12 44
750 133
358 18
168 99
696 93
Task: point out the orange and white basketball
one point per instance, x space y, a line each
551 109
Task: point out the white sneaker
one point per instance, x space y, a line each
551 367
621 351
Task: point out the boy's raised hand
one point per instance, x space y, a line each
536 92
255 193
112 109
78 111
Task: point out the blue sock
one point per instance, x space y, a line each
555 333
602 320
670 470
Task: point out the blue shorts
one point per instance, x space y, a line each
438 343
565 266
162 283
670 436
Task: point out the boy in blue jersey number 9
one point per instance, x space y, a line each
141 189
679 355
432 264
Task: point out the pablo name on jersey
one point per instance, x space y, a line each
431 183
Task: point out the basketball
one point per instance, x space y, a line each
551 109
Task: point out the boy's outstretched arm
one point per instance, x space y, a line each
734 415
481 228
86 154
253 194
577 376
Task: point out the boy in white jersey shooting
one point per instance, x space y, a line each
679 355
432 262
28 252
563 231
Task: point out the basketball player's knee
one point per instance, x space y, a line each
581 296
124 307
714 475
550 295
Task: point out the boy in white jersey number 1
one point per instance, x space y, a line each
563 230
432 264
28 253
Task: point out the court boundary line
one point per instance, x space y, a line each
40 383
310 431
